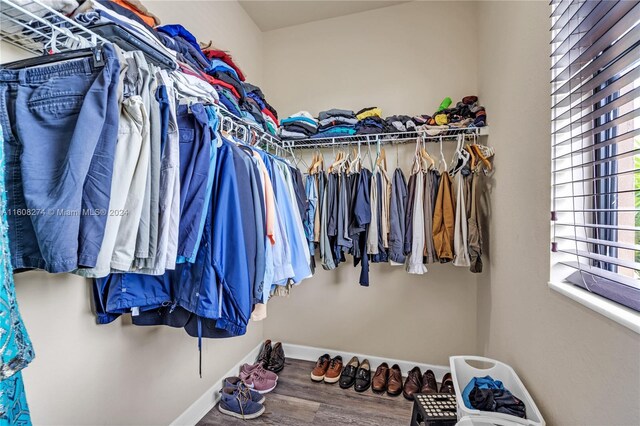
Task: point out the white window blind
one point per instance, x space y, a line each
595 69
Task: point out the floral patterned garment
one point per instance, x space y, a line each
16 351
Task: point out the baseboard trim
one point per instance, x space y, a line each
310 353
210 398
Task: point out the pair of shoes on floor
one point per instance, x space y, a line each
239 401
327 369
257 378
357 375
272 357
418 383
387 379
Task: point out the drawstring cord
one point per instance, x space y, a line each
200 347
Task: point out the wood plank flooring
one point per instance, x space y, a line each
299 401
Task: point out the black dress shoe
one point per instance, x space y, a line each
265 354
348 376
276 360
363 377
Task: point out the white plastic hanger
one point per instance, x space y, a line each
442 162
460 156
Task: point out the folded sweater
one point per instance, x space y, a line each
335 112
369 112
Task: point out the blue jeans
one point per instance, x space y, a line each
61 128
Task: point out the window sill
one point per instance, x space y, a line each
620 314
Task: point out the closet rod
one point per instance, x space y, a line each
448 135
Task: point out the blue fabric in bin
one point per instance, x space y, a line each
485 382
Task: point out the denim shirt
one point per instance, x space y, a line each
309 220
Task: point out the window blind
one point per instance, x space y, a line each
595 120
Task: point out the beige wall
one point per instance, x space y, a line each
119 373
352 62
392 57
581 368
223 22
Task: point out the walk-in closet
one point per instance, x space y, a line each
378 213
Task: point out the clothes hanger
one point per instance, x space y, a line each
460 156
472 156
95 53
442 162
318 163
425 154
484 153
353 166
371 161
314 158
417 158
339 162
226 131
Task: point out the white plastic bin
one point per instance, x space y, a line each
463 372
484 421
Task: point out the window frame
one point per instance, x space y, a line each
601 194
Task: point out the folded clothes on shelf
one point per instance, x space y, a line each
369 112
336 122
335 131
334 113
300 125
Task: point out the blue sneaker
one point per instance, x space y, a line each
237 383
238 404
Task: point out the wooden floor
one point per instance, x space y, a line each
299 401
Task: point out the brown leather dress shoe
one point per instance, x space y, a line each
394 384
447 385
429 384
320 370
413 384
379 382
334 370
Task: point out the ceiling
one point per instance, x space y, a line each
271 15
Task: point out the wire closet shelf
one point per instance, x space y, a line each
38 29
35 27
445 134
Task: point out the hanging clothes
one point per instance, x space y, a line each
415 263
443 220
385 198
362 213
326 252
311 189
408 215
372 237
399 194
382 216
16 351
460 238
430 186
475 231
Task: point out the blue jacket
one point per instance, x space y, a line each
222 291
